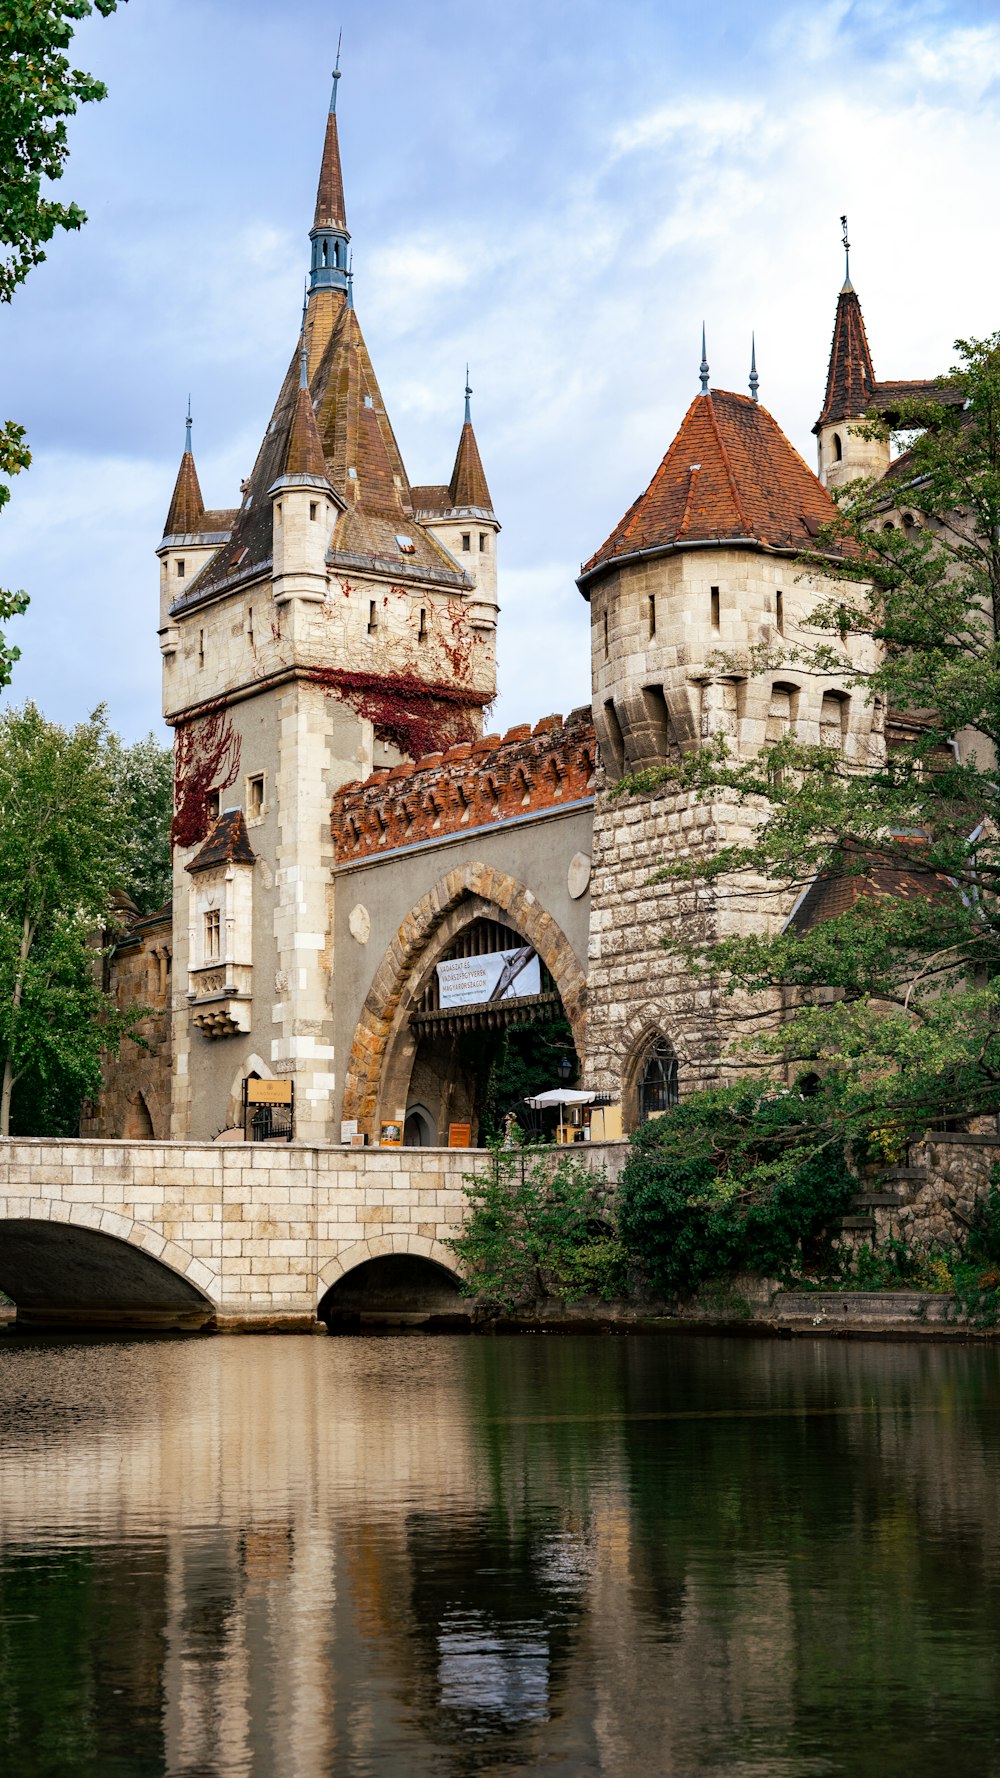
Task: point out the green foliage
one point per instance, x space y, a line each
143 776
896 1002
731 1180
39 90
538 1226
60 861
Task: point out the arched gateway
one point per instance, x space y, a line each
381 1065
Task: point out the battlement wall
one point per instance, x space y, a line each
473 784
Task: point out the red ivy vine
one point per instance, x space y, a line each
414 715
206 758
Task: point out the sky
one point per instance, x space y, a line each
557 191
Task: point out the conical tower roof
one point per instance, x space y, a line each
730 476
331 211
850 380
186 512
468 478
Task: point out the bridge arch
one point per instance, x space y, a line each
392 1279
82 1265
381 1056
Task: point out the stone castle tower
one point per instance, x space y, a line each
704 567
335 622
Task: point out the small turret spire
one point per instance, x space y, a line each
329 234
468 398
350 281
847 285
187 430
703 367
336 72
754 378
303 354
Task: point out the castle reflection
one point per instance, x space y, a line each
450 1556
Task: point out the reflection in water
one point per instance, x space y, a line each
420 1558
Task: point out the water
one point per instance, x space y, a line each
431 1558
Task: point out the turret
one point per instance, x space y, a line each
190 537
304 507
460 515
329 234
850 394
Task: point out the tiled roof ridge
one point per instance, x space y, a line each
187 508
527 771
734 490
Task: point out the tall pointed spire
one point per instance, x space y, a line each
468 487
754 378
850 378
187 508
847 285
703 367
329 233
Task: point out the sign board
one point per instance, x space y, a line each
391 1136
348 1128
269 1092
500 975
459 1135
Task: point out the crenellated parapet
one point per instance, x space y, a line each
475 784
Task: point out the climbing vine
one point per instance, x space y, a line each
415 715
206 758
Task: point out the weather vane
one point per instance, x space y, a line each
847 250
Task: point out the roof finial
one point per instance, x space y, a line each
350 281
754 378
187 427
303 359
336 72
468 398
847 285
703 367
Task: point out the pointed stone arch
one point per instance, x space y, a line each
467 892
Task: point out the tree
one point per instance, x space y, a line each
143 775
60 862
894 1005
38 91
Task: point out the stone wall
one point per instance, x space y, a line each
135 1095
932 1202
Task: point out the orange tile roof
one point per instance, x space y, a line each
730 474
304 455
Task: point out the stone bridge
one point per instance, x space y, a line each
236 1236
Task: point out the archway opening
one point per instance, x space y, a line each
62 1274
486 1030
396 1291
138 1123
652 1082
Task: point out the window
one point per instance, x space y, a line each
250 624
838 449
714 596
614 741
834 720
422 630
779 612
605 635
651 609
657 1081
314 509
180 567
368 401
213 935
482 542
255 797
372 617
405 544
201 648
466 539
212 799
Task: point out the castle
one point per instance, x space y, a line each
361 877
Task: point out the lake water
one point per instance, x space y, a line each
425 1558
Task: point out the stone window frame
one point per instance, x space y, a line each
254 817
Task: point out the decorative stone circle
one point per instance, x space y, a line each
360 923
578 875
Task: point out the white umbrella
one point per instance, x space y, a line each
560 1096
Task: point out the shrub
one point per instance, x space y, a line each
732 1180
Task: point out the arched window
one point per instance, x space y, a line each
838 449
658 1080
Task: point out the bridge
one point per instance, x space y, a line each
234 1236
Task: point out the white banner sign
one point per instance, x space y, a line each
500 975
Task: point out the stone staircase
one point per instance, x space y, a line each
872 1209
